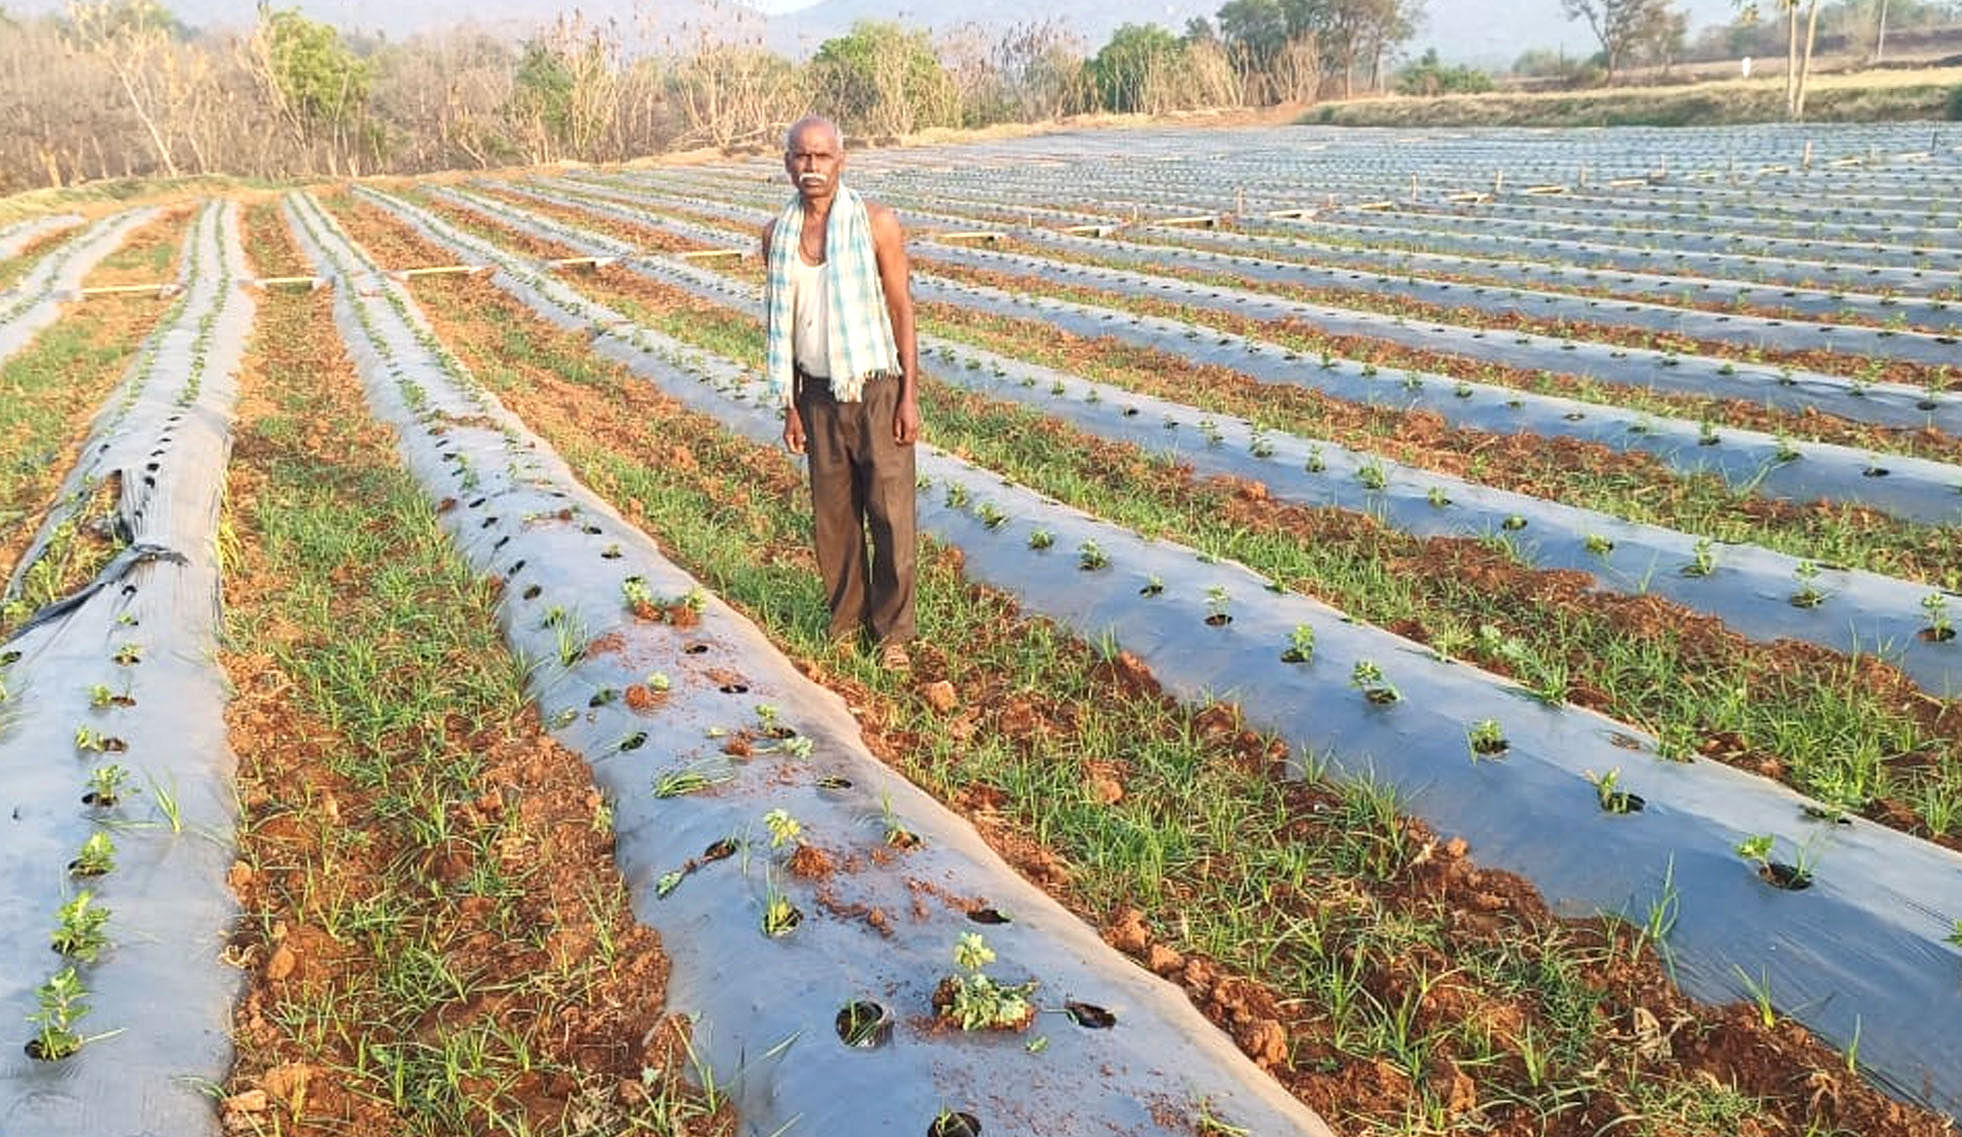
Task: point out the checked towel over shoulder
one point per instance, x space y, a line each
860 328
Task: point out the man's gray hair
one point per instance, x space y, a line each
809 120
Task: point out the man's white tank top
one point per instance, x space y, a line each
810 316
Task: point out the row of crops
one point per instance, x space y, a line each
1581 503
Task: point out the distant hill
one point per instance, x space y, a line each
1490 33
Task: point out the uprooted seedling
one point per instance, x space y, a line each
973 1000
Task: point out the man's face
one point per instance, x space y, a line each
813 162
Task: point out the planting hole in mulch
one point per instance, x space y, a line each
1219 619
834 783
780 921
1936 635
1513 524
14 656
1381 696
532 592
1623 802
734 688
1488 747
864 1025
1090 1016
1791 878
501 541
603 697
516 568
489 521
720 851
955 1125
695 649
1875 472
987 915
591 530
1152 589
634 741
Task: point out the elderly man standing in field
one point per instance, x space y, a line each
844 358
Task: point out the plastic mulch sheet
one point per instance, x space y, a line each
123 674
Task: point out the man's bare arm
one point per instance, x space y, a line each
889 247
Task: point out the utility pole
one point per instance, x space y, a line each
1880 40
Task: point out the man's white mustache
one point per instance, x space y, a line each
810 179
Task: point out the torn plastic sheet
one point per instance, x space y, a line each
21 234
173 340
1914 489
769 1009
35 300
1886 404
128 668
1860 954
1747 586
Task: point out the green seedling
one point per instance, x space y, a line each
1941 628
60 1004
1301 645
1808 594
1316 463
1372 475
659 683
897 835
991 515
1437 497
639 599
128 655
1703 559
1955 935
1486 738
1367 677
1608 792
1787 451
1041 539
780 916
1599 545
1154 585
956 495
106 786
977 1002
1758 848
784 829
1260 446
98 856
1217 603
1090 557
79 933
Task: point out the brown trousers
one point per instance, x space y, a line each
861 481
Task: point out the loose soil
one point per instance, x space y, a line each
1644 1027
